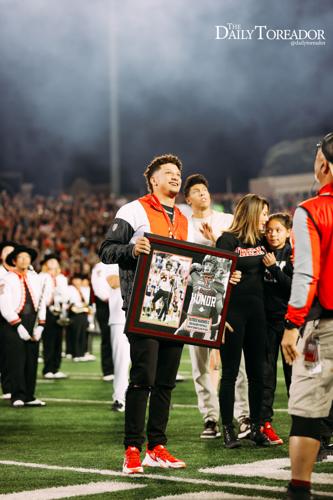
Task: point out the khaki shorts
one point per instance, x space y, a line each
311 395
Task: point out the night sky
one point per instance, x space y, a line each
218 104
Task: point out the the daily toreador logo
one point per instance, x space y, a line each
231 31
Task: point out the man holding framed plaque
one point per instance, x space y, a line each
154 361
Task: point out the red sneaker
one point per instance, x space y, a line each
160 457
132 461
271 434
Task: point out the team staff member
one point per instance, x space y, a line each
311 304
22 304
154 362
6 247
101 289
246 315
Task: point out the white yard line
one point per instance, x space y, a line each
106 402
209 495
234 470
71 491
177 479
82 376
79 401
270 469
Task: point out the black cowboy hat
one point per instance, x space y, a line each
20 249
49 257
7 243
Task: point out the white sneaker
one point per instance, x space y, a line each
7 395
69 356
18 403
88 357
49 375
76 359
36 402
108 378
60 375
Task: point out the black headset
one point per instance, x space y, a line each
328 139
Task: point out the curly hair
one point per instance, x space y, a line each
156 164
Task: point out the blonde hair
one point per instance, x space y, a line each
246 218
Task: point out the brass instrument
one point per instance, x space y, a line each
64 319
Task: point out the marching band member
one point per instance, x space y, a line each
23 306
78 313
101 289
119 341
56 299
6 247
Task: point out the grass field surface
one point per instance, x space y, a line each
73 448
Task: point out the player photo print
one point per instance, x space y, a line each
181 292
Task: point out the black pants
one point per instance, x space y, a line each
52 343
77 335
102 315
273 341
22 361
153 372
5 380
246 315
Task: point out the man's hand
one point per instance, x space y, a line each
235 277
37 333
288 345
207 232
23 333
269 259
228 327
142 245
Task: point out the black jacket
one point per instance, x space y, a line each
116 249
277 284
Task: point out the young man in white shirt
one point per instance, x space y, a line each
207 225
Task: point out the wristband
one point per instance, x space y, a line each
289 325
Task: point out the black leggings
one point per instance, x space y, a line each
246 315
275 331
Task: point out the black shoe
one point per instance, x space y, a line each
322 453
257 436
326 443
229 436
298 493
118 406
211 430
329 449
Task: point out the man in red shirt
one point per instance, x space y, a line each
311 310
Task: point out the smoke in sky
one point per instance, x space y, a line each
218 104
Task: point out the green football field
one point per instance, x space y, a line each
73 448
